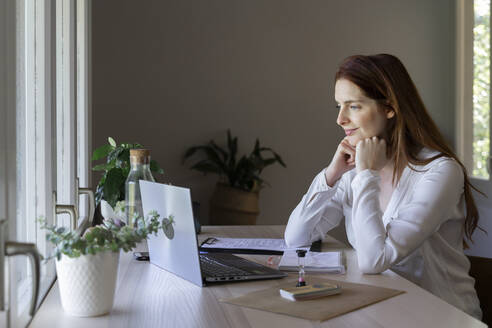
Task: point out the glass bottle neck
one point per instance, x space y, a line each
139 166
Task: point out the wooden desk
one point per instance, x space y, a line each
147 296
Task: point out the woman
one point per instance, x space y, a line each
405 196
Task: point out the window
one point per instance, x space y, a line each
473 109
481 89
44 129
473 87
33 146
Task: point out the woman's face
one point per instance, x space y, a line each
361 117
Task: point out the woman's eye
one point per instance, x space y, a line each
354 107
338 106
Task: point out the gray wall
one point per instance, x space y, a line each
171 74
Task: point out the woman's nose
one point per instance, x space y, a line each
342 119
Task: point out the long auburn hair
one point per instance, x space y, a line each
384 78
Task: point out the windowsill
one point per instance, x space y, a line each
25 292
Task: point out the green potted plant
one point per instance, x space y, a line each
87 265
235 199
111 186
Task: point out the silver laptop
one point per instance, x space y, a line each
177 250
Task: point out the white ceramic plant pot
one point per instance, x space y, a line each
87 283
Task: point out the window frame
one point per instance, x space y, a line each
30 115
84 98
464 82
66 127
464 124
7 140
464 88
34 112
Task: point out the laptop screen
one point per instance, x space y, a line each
178 252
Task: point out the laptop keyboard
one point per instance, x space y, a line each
214 268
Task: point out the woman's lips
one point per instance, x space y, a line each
350 131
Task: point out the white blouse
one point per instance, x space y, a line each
419 236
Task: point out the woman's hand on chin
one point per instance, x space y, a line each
370 154
343 161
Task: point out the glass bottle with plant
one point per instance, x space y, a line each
111 186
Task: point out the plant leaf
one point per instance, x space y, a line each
123 158
256 150
113 155
232 145
234 149
211 154
279 159
102 167
112 142
112 188
277 156
206 166
219 150
214 156
101 152
269 161
99 189
154 167
189 152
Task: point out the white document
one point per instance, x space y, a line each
267 244
331 262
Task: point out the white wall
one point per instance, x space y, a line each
171 74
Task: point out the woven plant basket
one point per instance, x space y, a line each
232 206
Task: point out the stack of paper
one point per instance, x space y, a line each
331 262
246 245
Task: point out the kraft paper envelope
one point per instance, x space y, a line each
353 297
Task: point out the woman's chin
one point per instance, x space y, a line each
353 140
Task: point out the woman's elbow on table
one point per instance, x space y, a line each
371 264
295 239
368 269
296 232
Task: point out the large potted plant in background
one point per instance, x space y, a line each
235 199
111 186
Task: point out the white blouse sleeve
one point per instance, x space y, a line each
433 199
319 211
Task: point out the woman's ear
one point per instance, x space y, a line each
390 113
